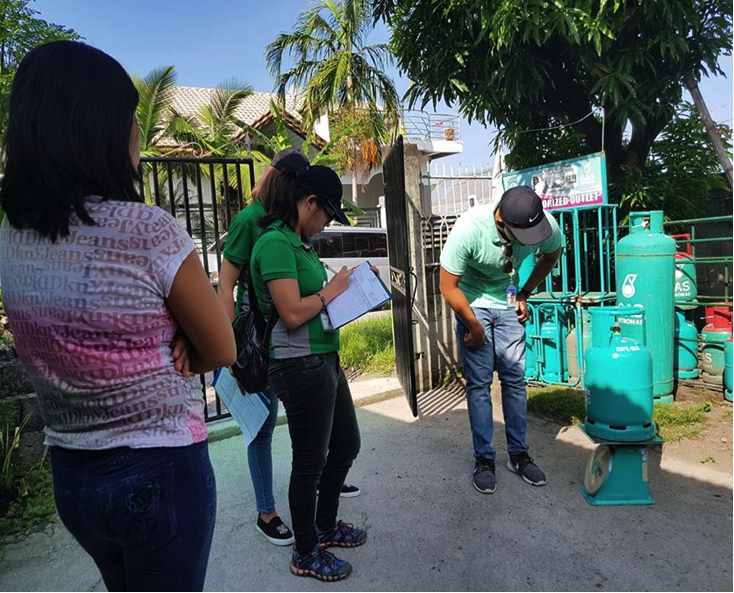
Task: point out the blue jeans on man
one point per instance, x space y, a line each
504 352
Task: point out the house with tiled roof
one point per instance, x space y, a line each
255 111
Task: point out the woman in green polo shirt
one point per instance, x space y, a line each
243 232
304 371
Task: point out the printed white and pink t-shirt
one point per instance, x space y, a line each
93 331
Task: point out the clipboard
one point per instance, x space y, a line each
366 292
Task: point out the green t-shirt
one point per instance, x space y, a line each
283 254
474 252
241 237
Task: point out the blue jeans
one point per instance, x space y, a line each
260 459
505 353
145 516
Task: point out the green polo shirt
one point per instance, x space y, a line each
241 237
474 252
283 254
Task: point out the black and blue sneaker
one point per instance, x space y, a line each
320 564
342 535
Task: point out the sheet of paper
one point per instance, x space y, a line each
248 409
366 292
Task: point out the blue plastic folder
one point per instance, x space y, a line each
250 410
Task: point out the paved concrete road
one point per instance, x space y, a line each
429 530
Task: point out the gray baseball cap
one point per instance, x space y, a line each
522 211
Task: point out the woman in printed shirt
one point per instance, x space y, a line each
96 285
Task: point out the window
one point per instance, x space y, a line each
329 245
378 245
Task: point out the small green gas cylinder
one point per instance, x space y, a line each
619 383
713 337
686 290
686 347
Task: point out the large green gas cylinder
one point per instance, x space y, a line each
619 383
728 371
686 290
713 337
686 347
645 278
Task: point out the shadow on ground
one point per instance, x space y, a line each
429 530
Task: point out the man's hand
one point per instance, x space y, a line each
521 308
475 338
181 352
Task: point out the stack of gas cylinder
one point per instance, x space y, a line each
716 349
651 274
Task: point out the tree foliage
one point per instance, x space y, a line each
523 64
332 64
20 31
678 176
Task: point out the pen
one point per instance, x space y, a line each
328 267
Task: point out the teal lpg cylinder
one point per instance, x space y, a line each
686 291
553 341
619 379
524 269
531 361
714 336
728 374
572 344
646 278
686 347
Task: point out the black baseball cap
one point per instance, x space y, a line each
289 159
522 211
326 186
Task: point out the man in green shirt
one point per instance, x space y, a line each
479 281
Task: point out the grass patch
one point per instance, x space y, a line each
681 421
367 346
558 404
568 406
33 503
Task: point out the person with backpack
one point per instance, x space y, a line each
304 371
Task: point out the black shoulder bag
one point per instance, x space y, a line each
252 335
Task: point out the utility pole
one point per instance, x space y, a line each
710 128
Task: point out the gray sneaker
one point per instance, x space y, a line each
484 479
523 465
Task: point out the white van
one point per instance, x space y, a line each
340 246
337 246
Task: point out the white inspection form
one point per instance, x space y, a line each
366 292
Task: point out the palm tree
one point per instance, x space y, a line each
335 67
154 107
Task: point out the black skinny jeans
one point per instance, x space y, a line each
324 437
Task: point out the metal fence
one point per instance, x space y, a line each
456 188
419 125
204 195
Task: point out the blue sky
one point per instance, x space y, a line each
211 41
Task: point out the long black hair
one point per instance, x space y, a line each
72 108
